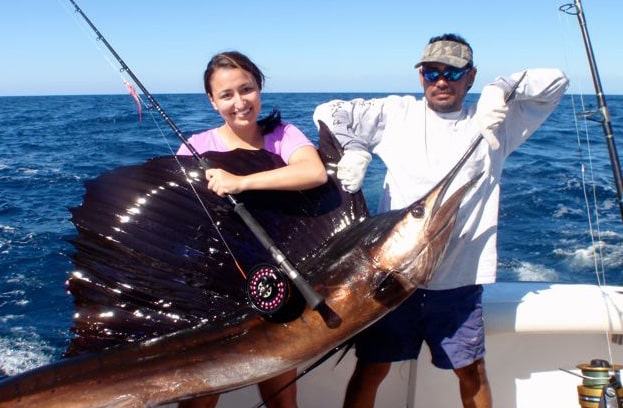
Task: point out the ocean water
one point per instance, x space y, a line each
51 145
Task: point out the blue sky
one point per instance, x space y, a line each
302 46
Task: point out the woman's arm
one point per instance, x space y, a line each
305 170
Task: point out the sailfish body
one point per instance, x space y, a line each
158 320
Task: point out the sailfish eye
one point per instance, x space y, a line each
418 211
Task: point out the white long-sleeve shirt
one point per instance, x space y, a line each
419 146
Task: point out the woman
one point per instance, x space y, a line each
233 84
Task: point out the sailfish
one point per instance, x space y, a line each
162 304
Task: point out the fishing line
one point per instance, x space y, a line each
125 69
312 298
591 203
101 39
587 172
601 116
87 30
586 168
589 184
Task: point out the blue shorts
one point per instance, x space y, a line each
450 321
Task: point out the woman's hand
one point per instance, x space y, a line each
222 182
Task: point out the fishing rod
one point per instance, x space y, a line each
602 115
312 298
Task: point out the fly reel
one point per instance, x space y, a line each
271 293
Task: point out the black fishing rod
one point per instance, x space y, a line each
313 298
602 115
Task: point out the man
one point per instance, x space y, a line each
419 142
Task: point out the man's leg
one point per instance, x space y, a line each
396 337
474 385
455 334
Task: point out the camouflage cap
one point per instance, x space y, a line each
447 52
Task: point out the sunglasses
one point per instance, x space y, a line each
450 74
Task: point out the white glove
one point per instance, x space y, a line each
351 169
490 113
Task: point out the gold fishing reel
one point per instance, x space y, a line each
601 386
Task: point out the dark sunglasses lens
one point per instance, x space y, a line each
431 75
452 75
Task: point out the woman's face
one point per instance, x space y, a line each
236 96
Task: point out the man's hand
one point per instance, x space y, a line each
352 169
490 113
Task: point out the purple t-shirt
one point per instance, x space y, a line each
283 141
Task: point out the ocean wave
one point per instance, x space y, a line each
23 350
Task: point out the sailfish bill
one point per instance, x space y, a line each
363 266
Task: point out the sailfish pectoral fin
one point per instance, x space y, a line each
393 289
